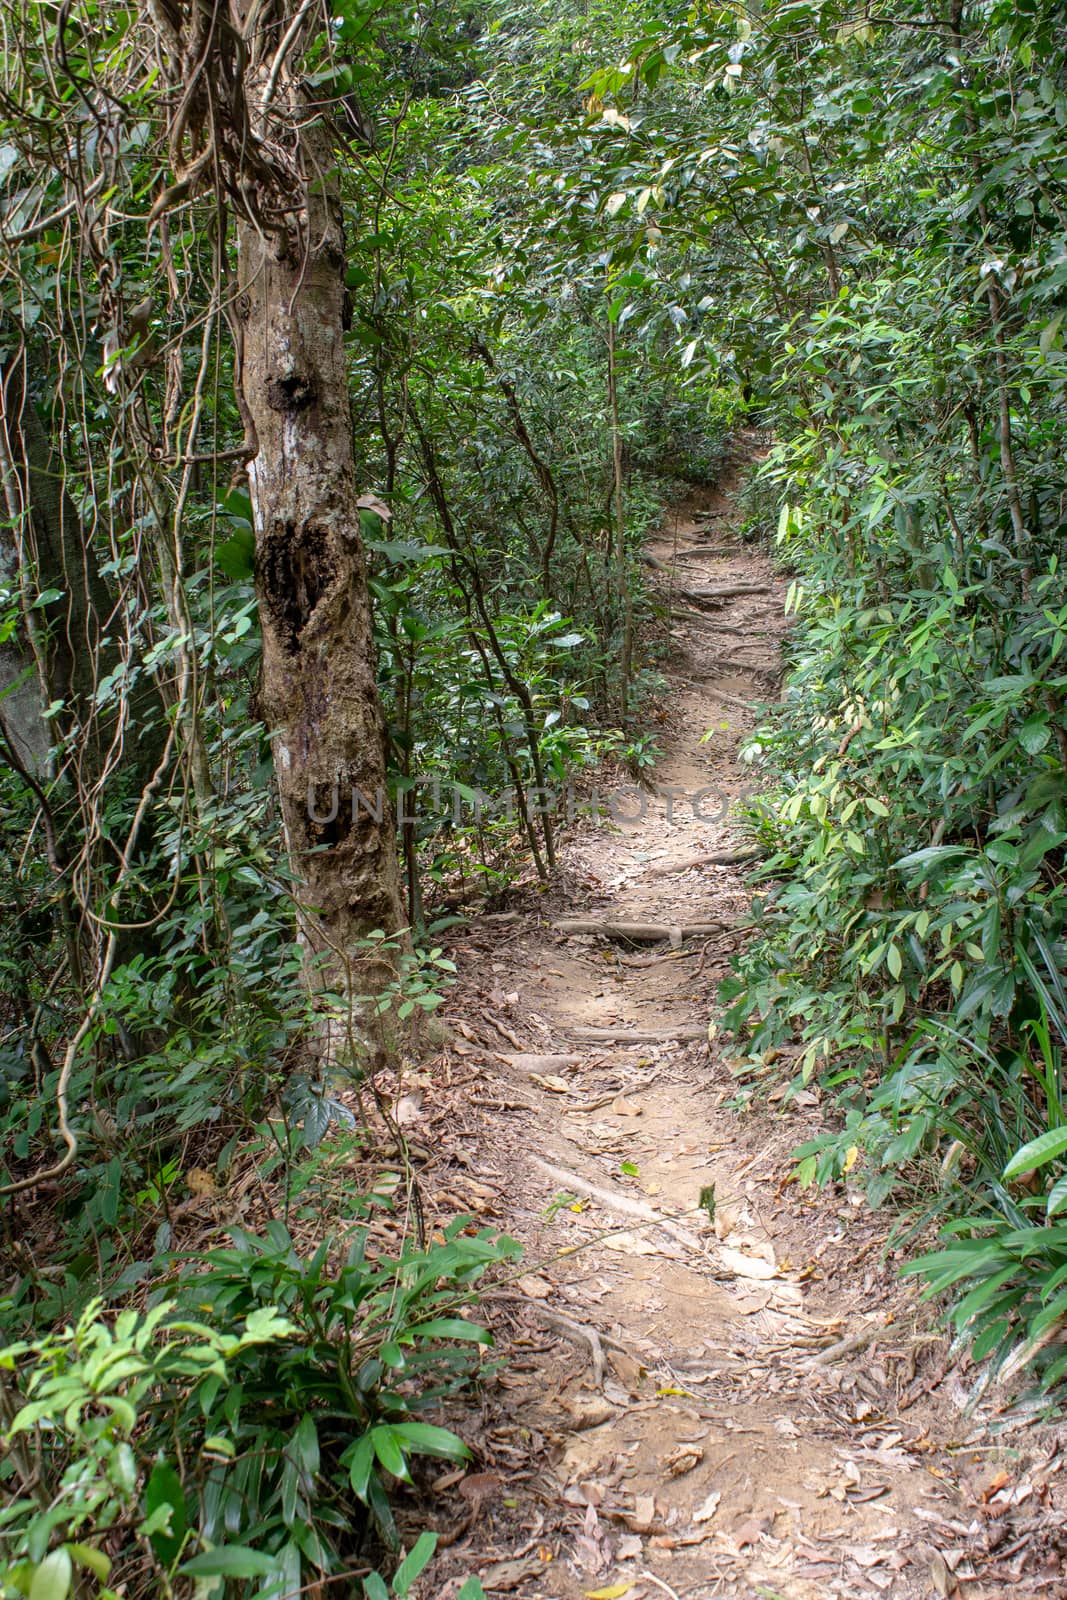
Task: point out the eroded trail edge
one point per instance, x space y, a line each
716 1386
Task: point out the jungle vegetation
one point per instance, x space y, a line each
348 349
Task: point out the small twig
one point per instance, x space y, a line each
650 1577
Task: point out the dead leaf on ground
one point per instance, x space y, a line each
448 1480
632 1244
749 1245
408 1110
726 1220
625 1367
626 1108
643 1516
553 1083
478 1486
745 1266
503 1575
535 1287
587 1411
752 1531
941 1578
705 1512
683 1458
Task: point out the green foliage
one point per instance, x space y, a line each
257 1445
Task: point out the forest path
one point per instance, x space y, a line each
731 1407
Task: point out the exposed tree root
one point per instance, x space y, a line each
639 932
722 858
683 1031
621 1204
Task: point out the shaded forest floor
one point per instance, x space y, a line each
727 1399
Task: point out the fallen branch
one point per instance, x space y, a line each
699 548
740 669
730 699
722 858
713 625
639 932
621 1204
505 1033
850 1345
729 591
681 1031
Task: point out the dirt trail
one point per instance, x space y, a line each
739 1407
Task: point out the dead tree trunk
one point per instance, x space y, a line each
319 690
242 125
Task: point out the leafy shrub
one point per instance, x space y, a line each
256 1444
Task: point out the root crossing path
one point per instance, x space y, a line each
716 1385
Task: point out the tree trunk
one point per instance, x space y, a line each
319 693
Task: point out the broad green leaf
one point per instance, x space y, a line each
419 1557
52 1579
389 1450
230 1561
450 1328
428 1440
1039 1152
164 1490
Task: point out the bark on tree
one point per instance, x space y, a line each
319 691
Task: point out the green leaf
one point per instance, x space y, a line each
449 1328
304 1445
359 1460
164 1489
1052 1314
1034 735
286 1585
414 1562
94 1561
427 1440
471 1590
236 555
230 1561
1048 333
388 1449
374 1587
52 1579
1038 1153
